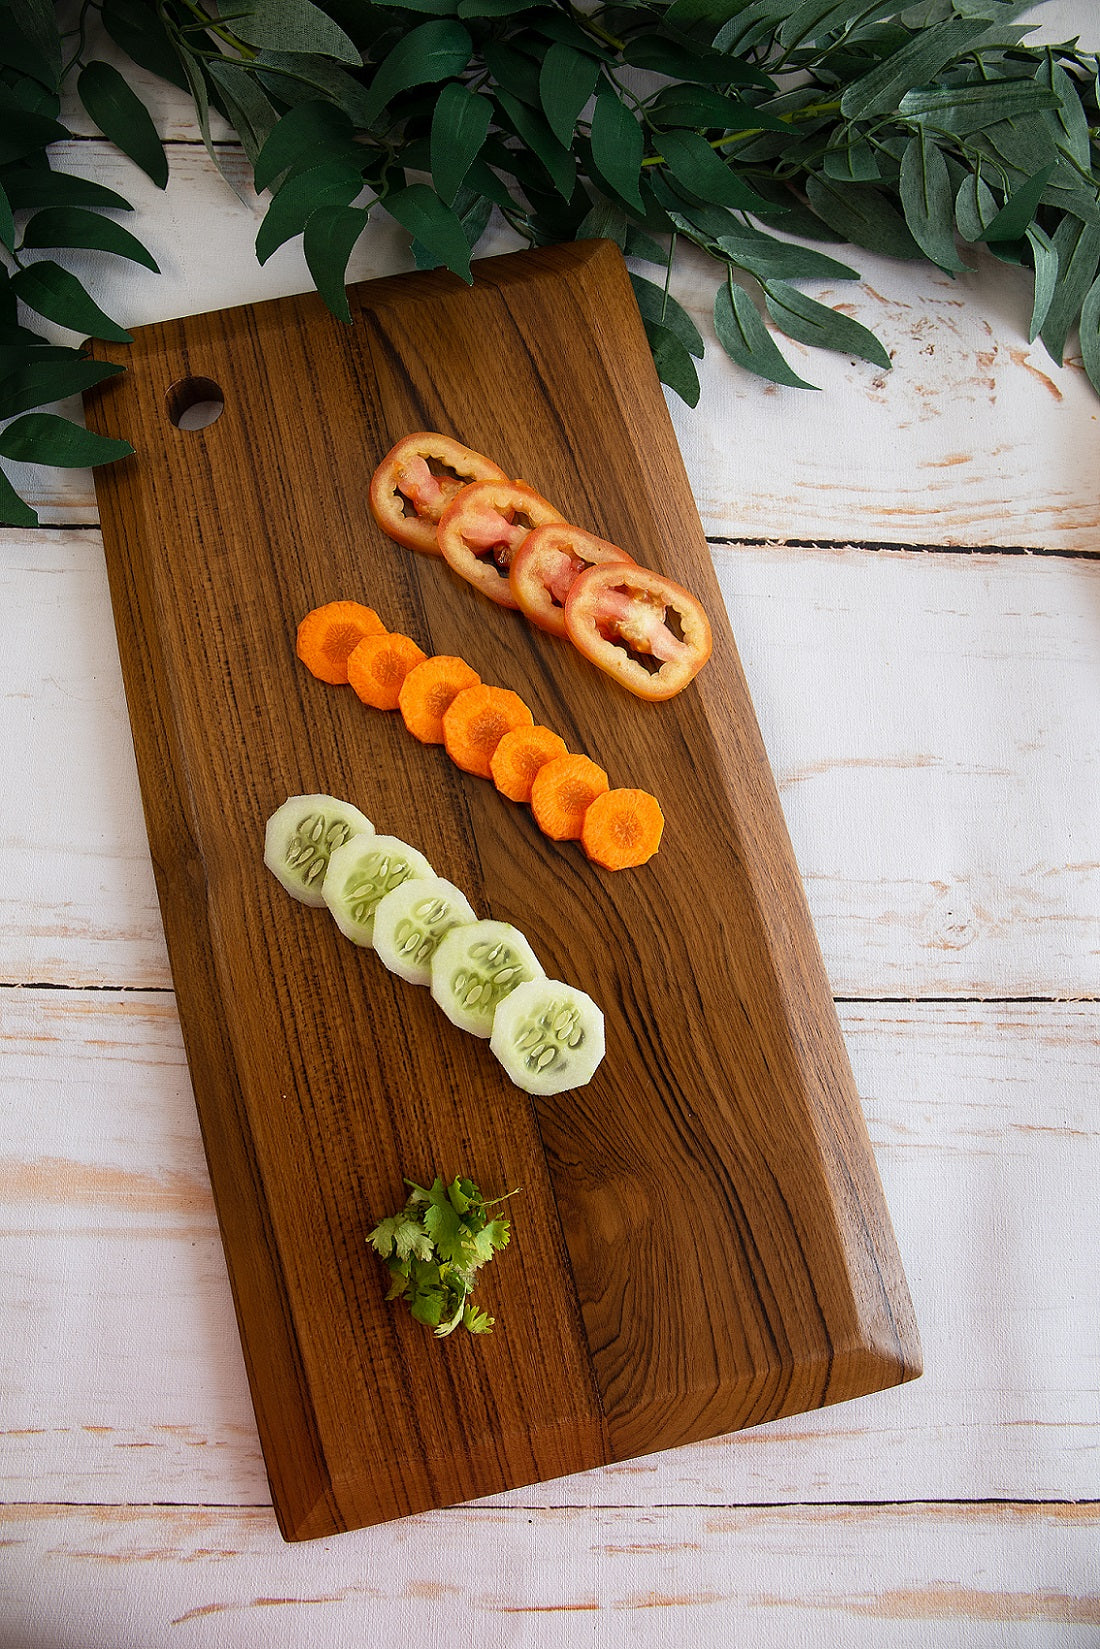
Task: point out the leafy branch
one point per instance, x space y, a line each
758 131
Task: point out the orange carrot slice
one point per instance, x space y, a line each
378 666
328 634
475 722
561 794
622 828
518 757
428 689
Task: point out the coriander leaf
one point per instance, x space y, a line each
478 1322
46 438
122 116
746 339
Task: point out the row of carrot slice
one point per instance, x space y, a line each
486 730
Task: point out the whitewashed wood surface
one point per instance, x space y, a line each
910 565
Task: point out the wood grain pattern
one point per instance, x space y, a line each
703 1234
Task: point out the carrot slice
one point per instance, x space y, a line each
428 689
378 666
622 828
518 757
327 635
563 791
475 722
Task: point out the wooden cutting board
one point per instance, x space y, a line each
700 1241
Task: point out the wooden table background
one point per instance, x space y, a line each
910 565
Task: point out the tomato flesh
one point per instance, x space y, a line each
416 481
546 566
619 618
482 529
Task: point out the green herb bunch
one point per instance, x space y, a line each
435 1247
756 130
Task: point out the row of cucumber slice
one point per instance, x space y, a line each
384 895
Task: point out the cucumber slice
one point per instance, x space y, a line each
474 968
301 835
410 922
359 876
548 1036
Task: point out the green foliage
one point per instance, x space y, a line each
433 1249
757 130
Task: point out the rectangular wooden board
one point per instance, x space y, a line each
700 1241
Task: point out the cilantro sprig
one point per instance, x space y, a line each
433 1249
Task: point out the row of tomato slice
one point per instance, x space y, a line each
437 496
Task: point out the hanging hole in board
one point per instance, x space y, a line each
194 403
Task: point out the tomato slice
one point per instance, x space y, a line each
639 627
417 479
481 530
547 562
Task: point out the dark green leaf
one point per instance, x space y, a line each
30 61
1012 221
975 207
328 240
429 53
854 161
1078 247
746 340
617 146
248 108
29 186
37 22
122 116
692 162
7 221
308 131
291 26
1068 119
420 210
1090 335
961 110
681 61
770 259
674 364
661 307
76 226
864 216
294 80
697 106
809 322
566 82
882 88
928 201
52 291
13 511
482 178
22 132
138 28
1044 259
560 163
434 8
46 438
816 20
460 125
43 381
491 8
332 183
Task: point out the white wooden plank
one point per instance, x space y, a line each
122 1373
931 720
795 1578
